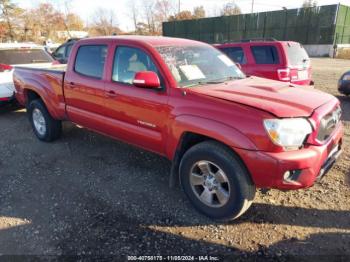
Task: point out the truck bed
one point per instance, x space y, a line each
51 68
47 83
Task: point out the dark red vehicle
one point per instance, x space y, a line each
277 60
226 134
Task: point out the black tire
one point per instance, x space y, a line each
53 127
241 188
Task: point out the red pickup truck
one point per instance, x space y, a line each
226 134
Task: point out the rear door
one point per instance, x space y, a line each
265 60
84 85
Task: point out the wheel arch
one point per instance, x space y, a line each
31 94
190 134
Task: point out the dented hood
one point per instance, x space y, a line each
278 98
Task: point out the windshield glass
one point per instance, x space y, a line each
24 56
297 55
196 65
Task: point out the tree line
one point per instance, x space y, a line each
45 20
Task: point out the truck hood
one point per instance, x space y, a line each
278 98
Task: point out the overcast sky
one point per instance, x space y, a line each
86 8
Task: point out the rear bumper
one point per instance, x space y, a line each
307 82
305 166
7 99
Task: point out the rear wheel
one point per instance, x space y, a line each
44 126
215 181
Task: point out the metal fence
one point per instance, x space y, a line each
318 25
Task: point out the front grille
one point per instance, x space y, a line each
328 124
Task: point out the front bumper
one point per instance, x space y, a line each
305 166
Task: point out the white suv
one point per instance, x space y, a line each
17 54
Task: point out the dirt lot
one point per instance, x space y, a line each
89 195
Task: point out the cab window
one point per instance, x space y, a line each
128 61
90 60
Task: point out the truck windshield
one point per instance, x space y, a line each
24 56
197 65
297 55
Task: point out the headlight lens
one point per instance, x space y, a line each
289 133
346 77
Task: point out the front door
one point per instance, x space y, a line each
137 115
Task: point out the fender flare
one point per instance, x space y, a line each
37 87
183 124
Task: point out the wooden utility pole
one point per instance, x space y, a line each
252 6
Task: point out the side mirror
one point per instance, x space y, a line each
146 79
239 65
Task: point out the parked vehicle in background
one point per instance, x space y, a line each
344 84
62 53
225 133
278 60
17 54
50 46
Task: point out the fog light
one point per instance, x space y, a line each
291 177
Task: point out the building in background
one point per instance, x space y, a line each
71 34
323 30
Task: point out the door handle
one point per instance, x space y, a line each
72 84
111 93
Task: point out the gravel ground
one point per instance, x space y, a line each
88 195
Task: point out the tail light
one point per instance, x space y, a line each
284 74
294 75
4 68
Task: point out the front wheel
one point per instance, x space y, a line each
44 126
216 181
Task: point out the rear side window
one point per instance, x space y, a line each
236 54
266 54
90 60
24 56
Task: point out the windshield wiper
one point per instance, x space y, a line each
202 83
230 78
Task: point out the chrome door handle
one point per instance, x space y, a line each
71 84
111 93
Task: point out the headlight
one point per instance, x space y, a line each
289 133
346 77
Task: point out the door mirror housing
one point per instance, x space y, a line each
239 65
146 79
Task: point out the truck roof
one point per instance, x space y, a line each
150 40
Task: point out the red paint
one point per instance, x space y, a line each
146 79
4 67
156 119
284 71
